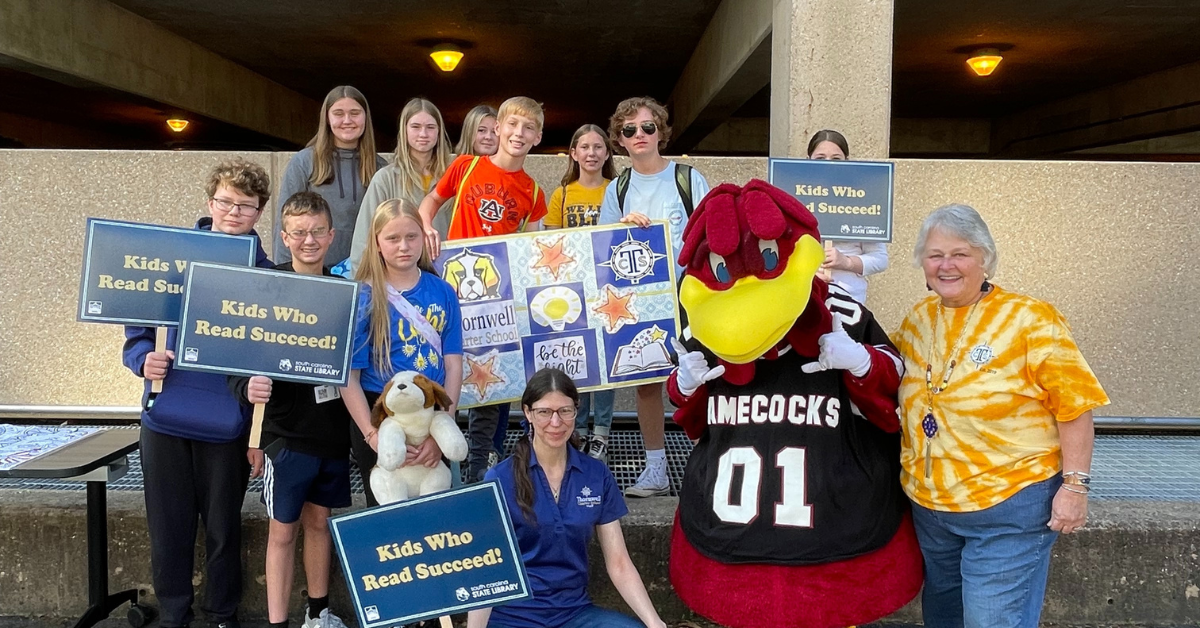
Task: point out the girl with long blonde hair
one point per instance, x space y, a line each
338 164
408 320
422 156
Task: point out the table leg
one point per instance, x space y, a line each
100 603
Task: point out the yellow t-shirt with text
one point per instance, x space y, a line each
579 207
1018 372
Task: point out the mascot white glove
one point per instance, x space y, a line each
693 370
839 352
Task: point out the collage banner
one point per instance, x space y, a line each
600 303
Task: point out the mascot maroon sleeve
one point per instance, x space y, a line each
791 511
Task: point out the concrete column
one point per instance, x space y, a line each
831 68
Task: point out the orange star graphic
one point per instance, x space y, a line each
482 374
552 256
615 309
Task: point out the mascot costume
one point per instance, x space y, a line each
791 511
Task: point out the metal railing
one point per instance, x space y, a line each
31 413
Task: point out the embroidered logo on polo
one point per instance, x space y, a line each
586 499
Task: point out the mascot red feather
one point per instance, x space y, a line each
791 511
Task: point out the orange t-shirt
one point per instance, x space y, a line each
492 201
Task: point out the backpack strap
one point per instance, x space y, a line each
683 183
622 189
461 186
525 220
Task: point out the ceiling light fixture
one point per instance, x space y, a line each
177 124
984 61
446 57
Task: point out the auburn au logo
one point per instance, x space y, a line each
491 210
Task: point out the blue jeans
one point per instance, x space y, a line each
595 617
604 409
988 569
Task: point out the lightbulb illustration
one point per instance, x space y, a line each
556 307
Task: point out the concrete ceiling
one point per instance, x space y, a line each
1059 48
579 57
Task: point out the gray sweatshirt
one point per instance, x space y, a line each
344 194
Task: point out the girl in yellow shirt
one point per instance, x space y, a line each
576 203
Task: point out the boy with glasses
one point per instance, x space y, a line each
194 439
305 443
654 188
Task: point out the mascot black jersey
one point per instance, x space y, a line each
788 470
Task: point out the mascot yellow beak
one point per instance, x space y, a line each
742 323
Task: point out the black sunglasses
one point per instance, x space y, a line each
648 127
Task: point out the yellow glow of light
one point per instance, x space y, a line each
984 62
177 124
446 58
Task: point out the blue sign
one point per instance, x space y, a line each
852 200
430 556
133 274
600 303
251 321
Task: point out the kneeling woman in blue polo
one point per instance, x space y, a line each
556 497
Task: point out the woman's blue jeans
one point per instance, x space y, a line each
988 569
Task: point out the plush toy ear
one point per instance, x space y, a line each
435 395
381 411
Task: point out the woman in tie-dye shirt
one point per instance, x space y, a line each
996 403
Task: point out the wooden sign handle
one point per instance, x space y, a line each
256 425
160 346
826 273
445 622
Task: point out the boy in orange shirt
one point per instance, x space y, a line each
492 196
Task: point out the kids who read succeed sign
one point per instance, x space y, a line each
133 274
852 200
430 556
251 321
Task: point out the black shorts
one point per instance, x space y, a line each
291 478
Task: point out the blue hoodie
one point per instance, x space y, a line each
192 404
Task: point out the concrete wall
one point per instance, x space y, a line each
1135 563
1108 243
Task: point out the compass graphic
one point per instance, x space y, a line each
632 260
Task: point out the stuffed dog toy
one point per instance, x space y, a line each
408 412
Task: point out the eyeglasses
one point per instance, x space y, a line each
227 206
301 234
565 413
648 127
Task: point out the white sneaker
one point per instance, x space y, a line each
597 448
325 620
652 482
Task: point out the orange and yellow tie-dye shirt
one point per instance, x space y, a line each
1018 373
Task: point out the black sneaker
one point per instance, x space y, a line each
229 623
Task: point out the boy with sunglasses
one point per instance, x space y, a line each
194 437
653 189
304 454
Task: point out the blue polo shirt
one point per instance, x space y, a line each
555 549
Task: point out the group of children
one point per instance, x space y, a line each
194 438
